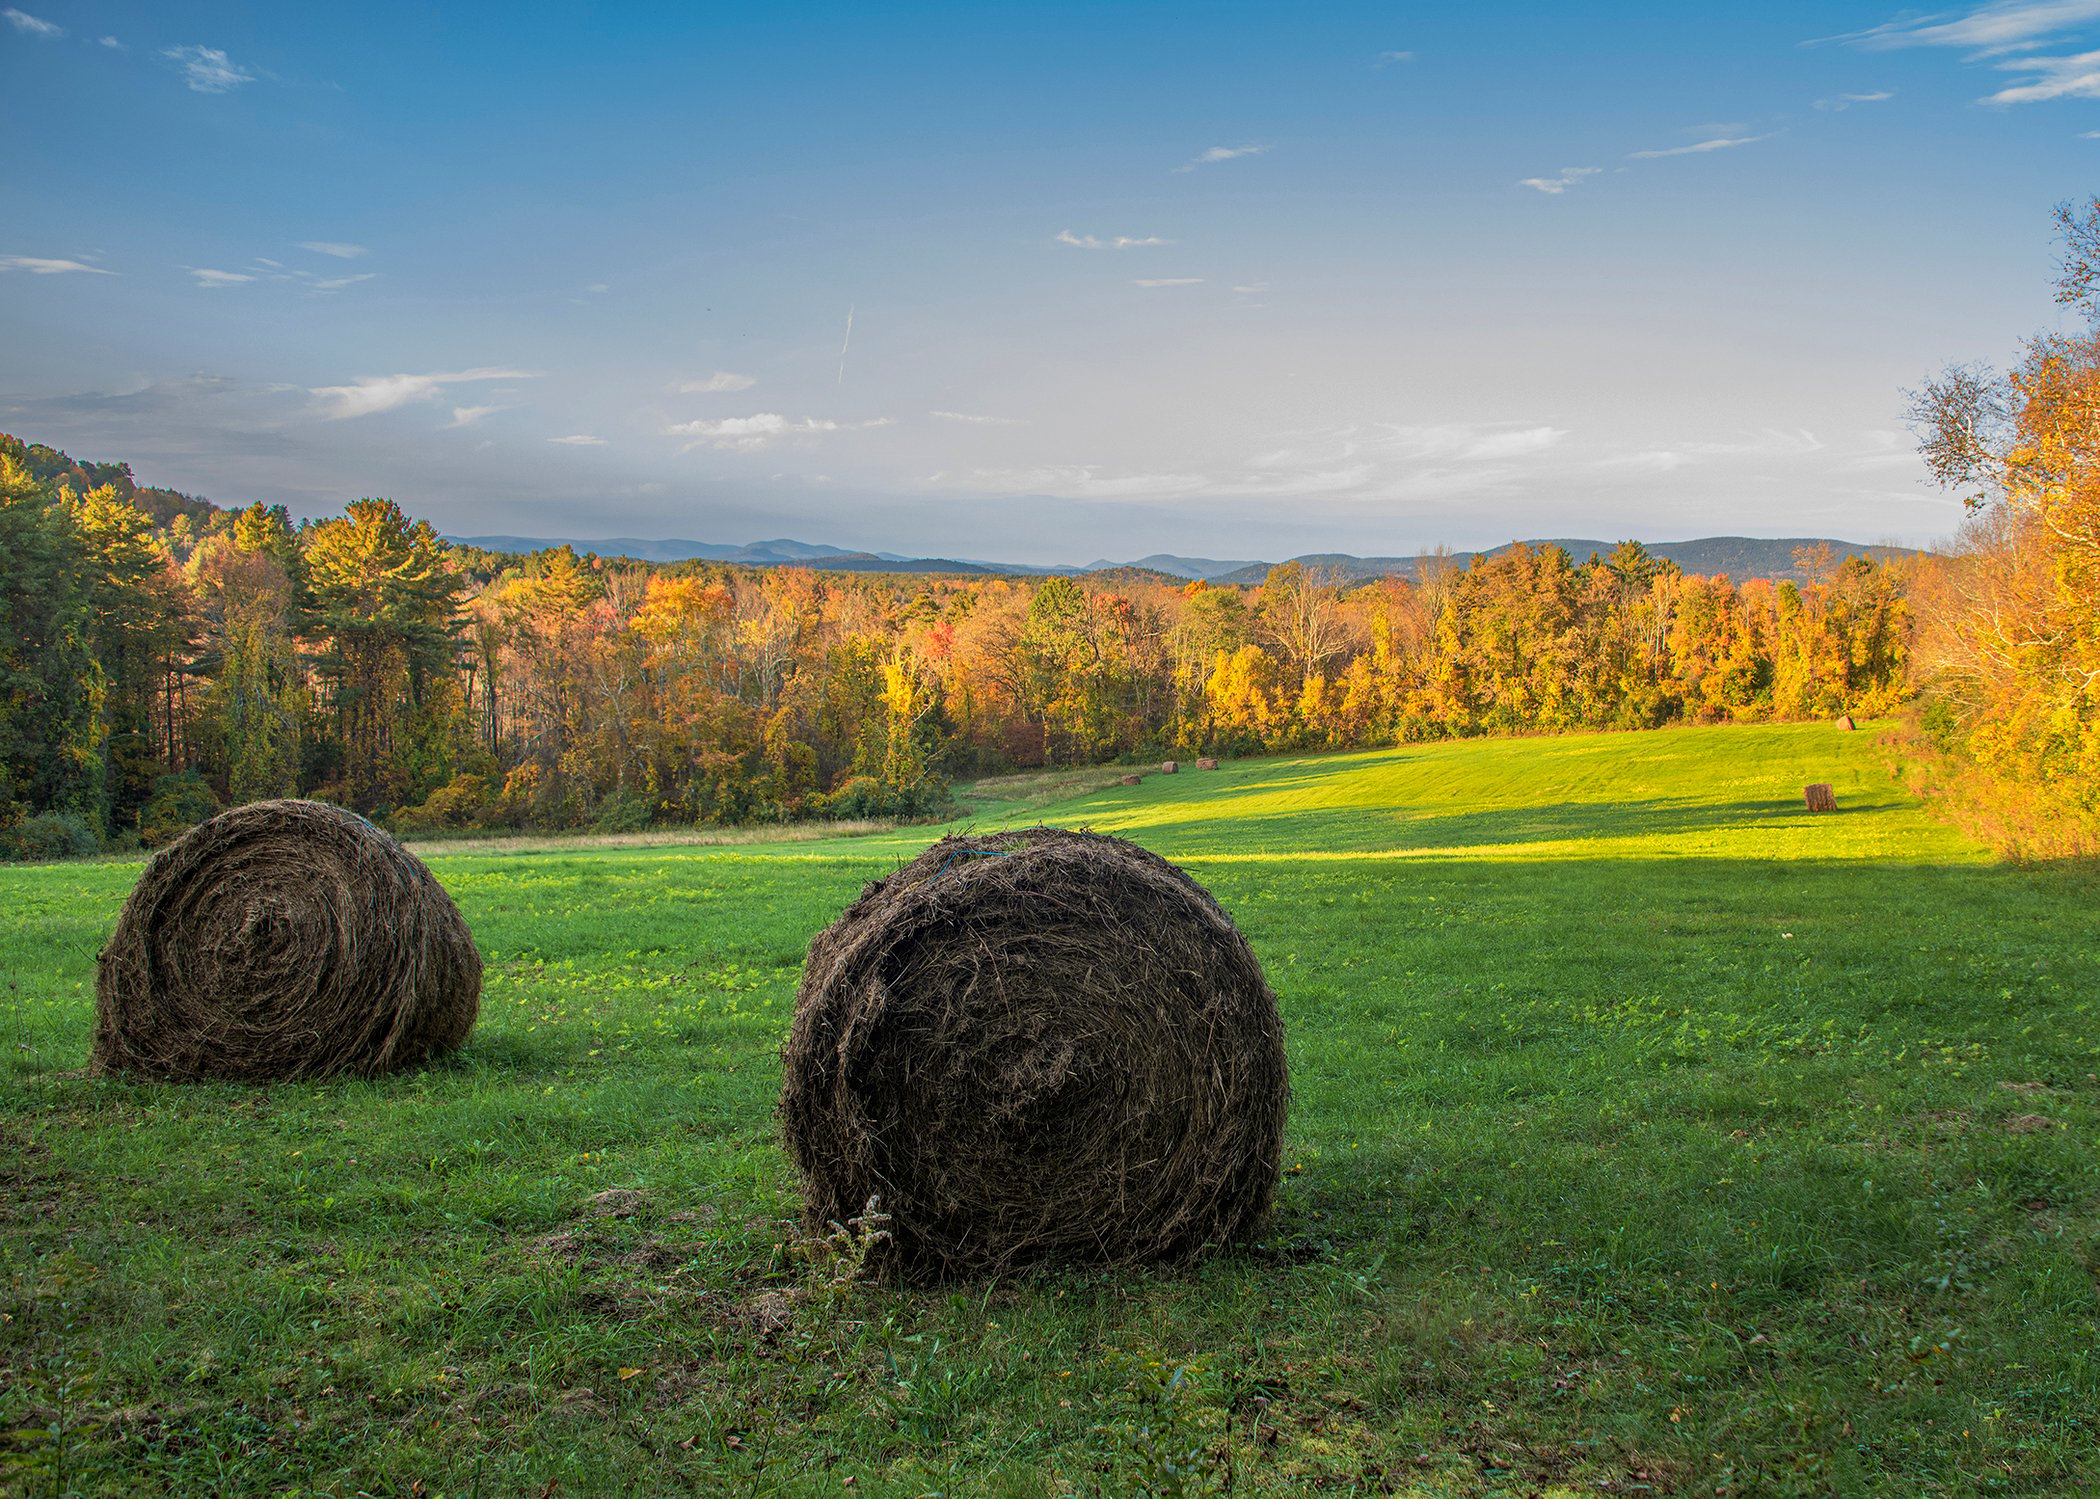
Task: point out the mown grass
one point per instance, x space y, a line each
1649 1135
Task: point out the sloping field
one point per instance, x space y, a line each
1650 1135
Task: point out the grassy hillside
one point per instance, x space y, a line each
1650 1135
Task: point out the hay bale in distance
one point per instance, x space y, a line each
1132 780
280 940
1846 723
1821 798
1169 767
1036 1046
1206 763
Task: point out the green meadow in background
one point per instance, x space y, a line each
1649 1134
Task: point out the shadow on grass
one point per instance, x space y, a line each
1377 829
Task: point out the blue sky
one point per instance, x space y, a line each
1221 279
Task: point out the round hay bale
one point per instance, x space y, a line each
1206 763
1133 780
1845 723
1820 797
283 939
1036 1047
1169 767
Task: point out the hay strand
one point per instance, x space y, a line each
280 940
1036 1047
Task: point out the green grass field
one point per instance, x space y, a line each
1650 1136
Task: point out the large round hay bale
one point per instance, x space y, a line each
283 939
1036 1046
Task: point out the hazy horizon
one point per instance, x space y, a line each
1038 284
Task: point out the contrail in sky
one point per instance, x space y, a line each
845 346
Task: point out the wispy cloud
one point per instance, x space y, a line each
1252 288
1168 281
110 42
579 440
1120 242
336 248
717 383
1996 30
1770 443
40 267
467 416
376 393
1220 153
1555 186
1366 461
1385 59
1697 148
31 25
2074 77
2004 26
262 268
978 421
1844 102
208 70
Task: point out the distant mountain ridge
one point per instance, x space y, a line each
1738 556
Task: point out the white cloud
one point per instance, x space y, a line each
580 440
2074 77
746 434
1252 288
206 277
1169 281
1120 242
597 286
1555 186
467 416
1220 153
336 248
112 43
207 70
717 383
33 25
978 421
337 283
1392 57
1697 148
40 267
2004 26
376 393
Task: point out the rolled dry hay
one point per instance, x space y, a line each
1846 722
283 939
1821 798
1036 1046
1169 767
1132 780
1206 763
